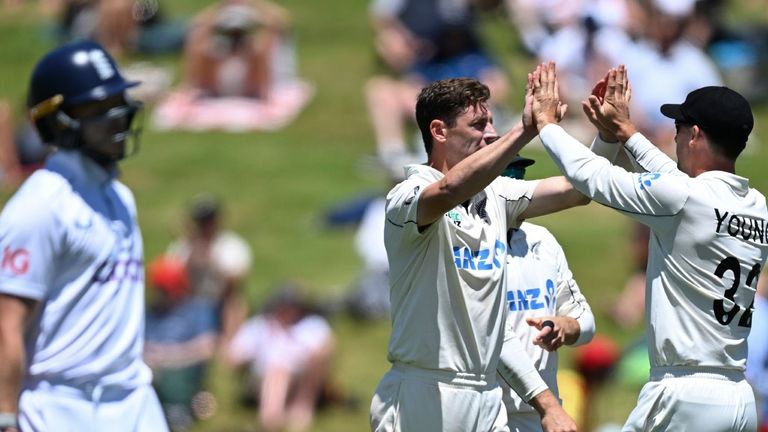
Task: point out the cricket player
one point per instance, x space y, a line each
72 274
545 308
445 237
708 244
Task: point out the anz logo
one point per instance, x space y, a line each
647 179
483 259
532 298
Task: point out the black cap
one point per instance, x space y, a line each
721 112
521 162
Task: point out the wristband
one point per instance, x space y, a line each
8 420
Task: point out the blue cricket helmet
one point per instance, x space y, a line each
71 75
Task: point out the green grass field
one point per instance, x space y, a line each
277 185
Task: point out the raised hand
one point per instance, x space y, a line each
546 106
592 105
613 112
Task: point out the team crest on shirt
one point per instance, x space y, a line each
455 217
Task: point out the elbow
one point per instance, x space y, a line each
582 200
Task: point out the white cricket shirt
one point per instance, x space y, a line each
708 243
70 241
540 284
448 301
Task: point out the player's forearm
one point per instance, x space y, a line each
11 370
477 171
553 416
13 315
544 401
519 372
571 329
649 157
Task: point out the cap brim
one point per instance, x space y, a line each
102 92
521 162
673 111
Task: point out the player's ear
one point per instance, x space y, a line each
438 128
697 133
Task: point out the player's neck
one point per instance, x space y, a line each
714 164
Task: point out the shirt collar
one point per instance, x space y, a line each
79 168
423 171
734 181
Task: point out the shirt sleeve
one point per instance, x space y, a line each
647 197
29 246
402 206
605 149
515 196
649 158
570 300
518 370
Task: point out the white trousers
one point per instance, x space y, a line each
416 400
695 400
64 408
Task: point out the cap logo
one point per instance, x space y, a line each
99 61
102 65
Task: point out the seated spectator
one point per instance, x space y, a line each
416 52
287 350
180 341
218 262
121 26
239 71
21 150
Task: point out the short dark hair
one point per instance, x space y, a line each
446 100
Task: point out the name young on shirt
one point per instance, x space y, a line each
742 227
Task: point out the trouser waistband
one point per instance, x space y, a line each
465 379
659 373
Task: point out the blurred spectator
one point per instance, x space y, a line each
416 51
121 26
536 20
368 295
21 150
757 358
596 363
287 350
239 71
583 43
180 341
218 262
